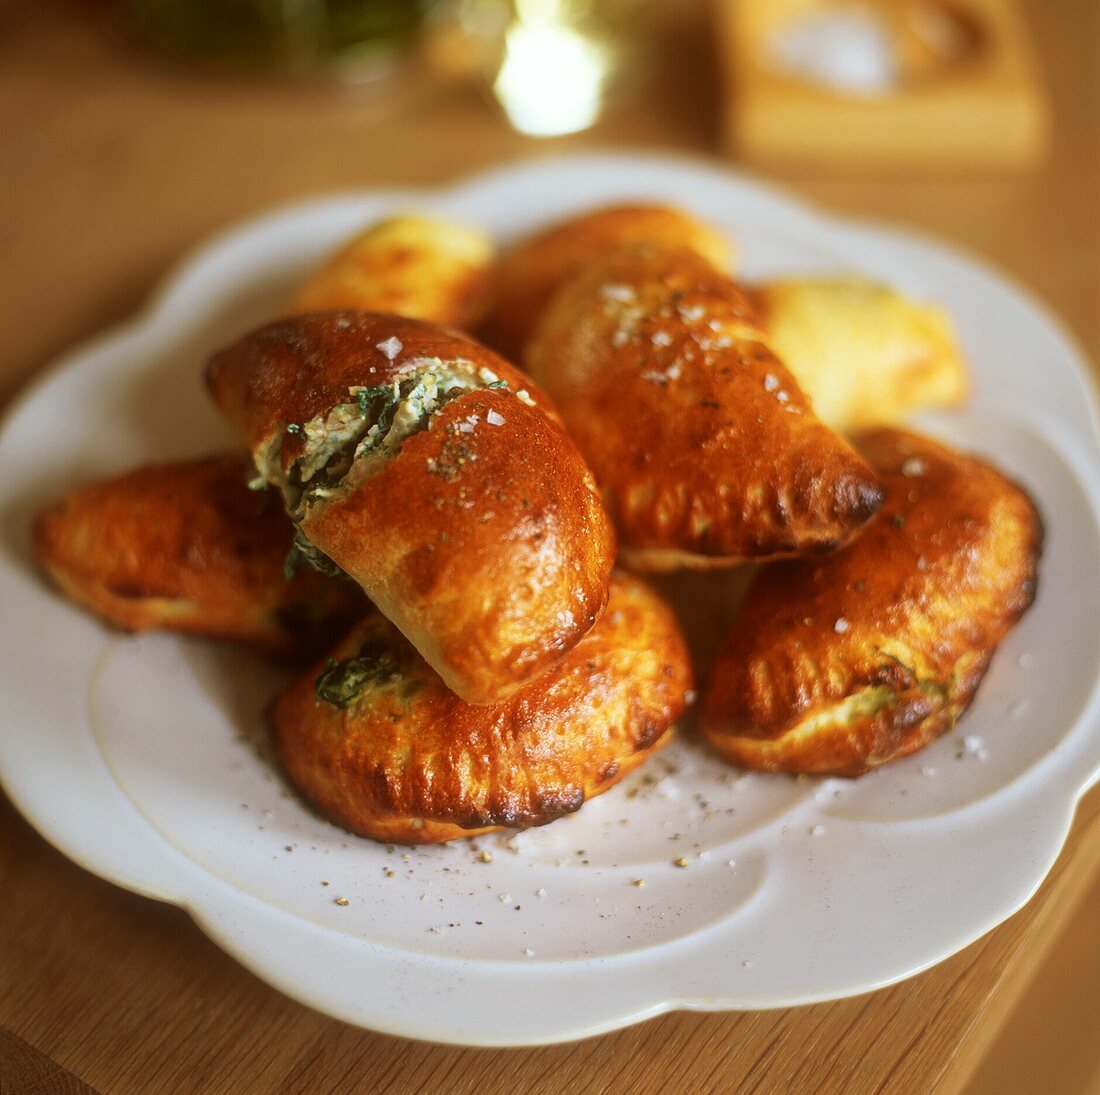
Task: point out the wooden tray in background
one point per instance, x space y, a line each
985 109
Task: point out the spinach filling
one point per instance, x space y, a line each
378 664
354 439
341 683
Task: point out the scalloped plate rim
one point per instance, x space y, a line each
203 900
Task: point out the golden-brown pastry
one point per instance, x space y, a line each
377 742
865 355
528 273
188 547
841 664
434 474
412 266
705 449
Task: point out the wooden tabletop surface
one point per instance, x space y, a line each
111 167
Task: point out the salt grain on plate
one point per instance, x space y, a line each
816 830
668 788
391 347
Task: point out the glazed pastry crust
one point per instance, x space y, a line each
865 355
705 449
409 762
411 266
842 664
529 273
186 546
483 538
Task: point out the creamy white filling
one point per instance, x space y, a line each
353 440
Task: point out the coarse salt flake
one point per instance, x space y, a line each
913 466
622 293
841 626
524 396
661 339
494 419
771 382
391 347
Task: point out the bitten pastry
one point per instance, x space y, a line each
187 546
865 355
435 475
376 741
412 266
528 274
838 665
705 449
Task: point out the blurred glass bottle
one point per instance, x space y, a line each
354 39
551 64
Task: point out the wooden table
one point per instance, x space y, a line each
112 166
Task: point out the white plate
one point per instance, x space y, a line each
144 759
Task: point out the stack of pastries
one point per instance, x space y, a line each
446 518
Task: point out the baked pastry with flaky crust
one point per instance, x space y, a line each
436 476
705 449
841 664
186 546
410 265
864 354
377 742
529 272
